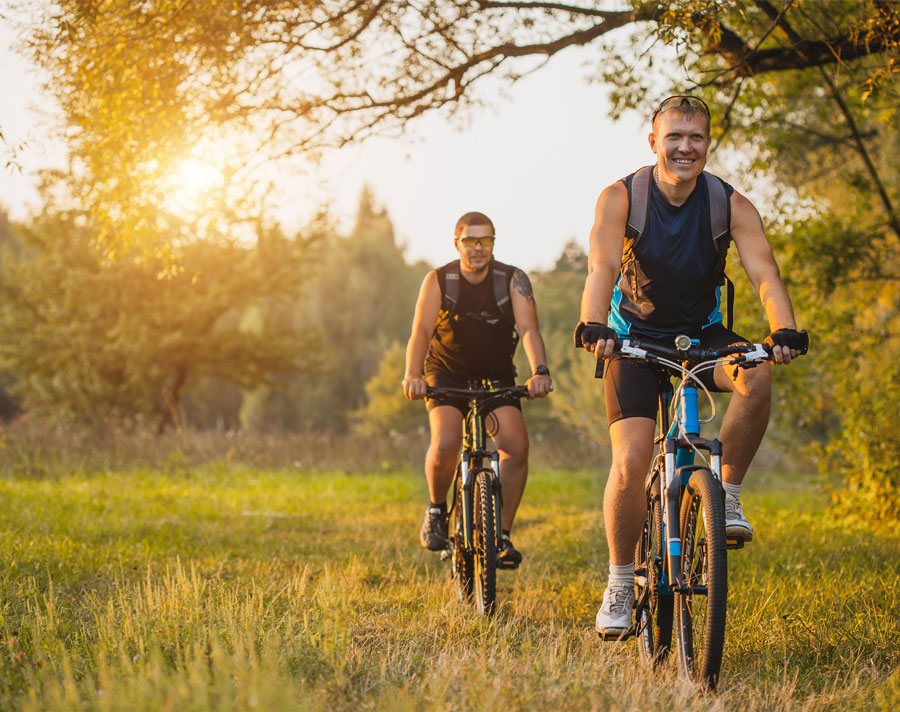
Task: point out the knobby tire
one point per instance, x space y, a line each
700 619
463 565
655 611
485 544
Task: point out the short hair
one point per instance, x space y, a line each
472 219
685 111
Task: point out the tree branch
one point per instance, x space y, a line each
802 54
795 40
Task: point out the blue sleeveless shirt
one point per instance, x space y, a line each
670 285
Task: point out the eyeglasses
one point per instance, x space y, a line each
477 241
673 102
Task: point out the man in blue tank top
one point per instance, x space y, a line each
668 284
473 339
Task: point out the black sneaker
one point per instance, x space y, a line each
508 557
433 535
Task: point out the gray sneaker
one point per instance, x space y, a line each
614 618
736 524
433 535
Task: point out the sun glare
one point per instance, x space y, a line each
210 187
191 184
197 177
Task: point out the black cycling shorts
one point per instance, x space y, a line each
632 387
461 403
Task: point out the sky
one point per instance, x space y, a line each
534 161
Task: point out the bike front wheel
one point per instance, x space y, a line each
485 559
462 558
654 607
700 611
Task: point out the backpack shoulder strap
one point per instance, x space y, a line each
719 207
720 229
450 296
638 203
502 278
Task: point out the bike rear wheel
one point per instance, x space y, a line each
462 566
654 611
485 559
700 613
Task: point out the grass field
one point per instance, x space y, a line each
231 588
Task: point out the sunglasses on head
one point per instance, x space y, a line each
477 241
674 102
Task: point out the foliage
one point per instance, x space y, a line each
804 97
226 587
865 449
358 295
386 409
144 87
87 337
577 400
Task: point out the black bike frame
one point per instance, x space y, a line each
474 455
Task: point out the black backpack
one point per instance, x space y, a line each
719 223
450 297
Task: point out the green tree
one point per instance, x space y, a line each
89 338
803 92
386 409
576 403
358 297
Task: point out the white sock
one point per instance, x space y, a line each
733 490
621 574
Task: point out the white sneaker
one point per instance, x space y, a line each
614 617
736 525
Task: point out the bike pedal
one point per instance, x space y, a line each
507 565
615 637
734 543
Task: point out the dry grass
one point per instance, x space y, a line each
228 587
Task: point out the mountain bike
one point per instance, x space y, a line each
474 530
681 567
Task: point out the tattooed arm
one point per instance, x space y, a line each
525 312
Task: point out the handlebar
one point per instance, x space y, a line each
438 391
743 353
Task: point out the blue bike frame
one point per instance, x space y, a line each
678 451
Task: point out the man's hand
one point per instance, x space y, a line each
787 344
538 386
414 387
597 338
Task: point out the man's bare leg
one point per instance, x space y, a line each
741 434
624 504
745 420
512 445
440 461
624 507
443 450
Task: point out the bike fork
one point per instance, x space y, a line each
671 494
495 485
467 503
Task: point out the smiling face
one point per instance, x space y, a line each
680 143
477 257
